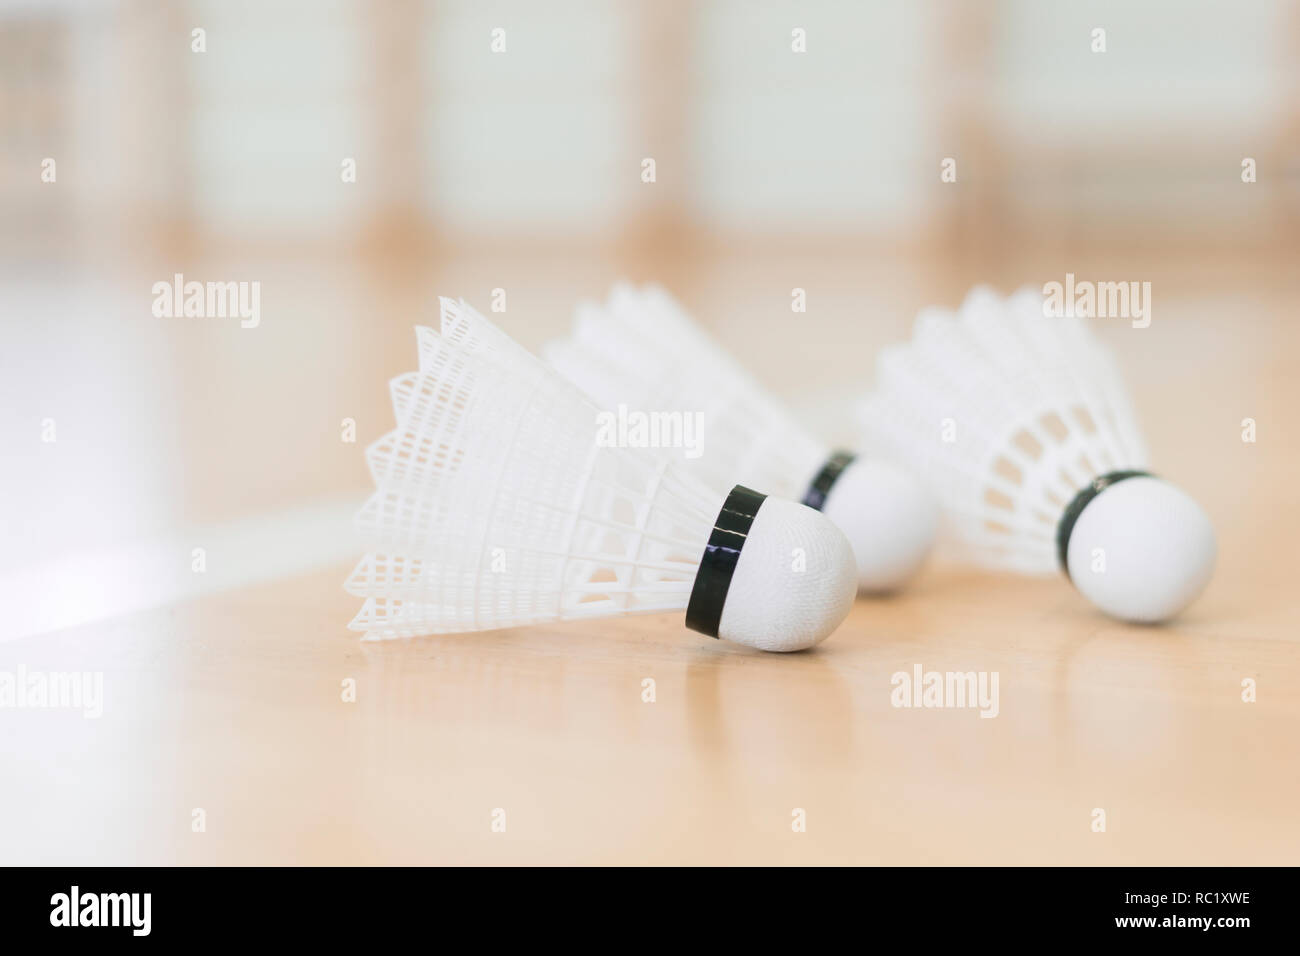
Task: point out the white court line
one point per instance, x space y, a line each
95 585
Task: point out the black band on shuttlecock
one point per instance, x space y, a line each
1081 501
713 579
815 497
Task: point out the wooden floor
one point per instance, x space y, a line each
231 703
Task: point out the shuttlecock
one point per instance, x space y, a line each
642 354
1021 425
496 506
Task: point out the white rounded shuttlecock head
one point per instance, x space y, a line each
499 505
1138 547
889 518
793 582
641 354
1010 416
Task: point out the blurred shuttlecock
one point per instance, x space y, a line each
497 507
1022 427
641 351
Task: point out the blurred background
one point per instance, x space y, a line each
503 146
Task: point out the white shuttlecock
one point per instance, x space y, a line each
641 355
1022 427
497 506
